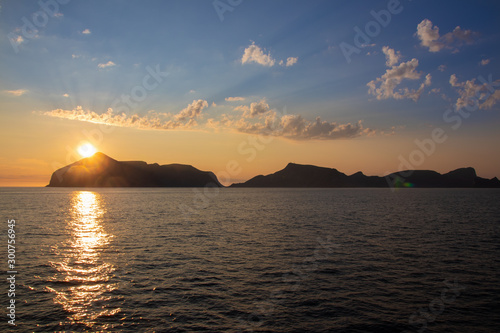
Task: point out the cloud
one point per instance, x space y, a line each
485 62
491 100
106 65
295 127
385 86
253 53
483 95
430 38
151 121
86 32
192 111
266 121
392 57
259 118
75 56
65 95
16 93
454 81
441 68
254 110
235 99
290 61
16 39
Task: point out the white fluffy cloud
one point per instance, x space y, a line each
385 86
290 61
392 57
86 32
17 40
106 65
254 54
483 95
430 38
485 62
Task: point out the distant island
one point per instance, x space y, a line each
298 175
101 170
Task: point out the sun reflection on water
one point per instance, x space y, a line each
82 282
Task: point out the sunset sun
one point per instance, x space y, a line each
87 150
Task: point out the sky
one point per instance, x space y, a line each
242 88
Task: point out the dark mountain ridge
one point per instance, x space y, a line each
298 175
101 170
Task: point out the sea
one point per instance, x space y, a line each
250 260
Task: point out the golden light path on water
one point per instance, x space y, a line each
82 272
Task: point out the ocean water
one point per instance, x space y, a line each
253 260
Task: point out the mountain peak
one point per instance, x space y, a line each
99 157
467 172
293 165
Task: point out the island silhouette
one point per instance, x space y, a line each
299 175
101 170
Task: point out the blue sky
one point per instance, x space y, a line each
268 56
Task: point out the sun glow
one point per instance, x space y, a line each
87 150
84 277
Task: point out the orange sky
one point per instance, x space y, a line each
34 146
